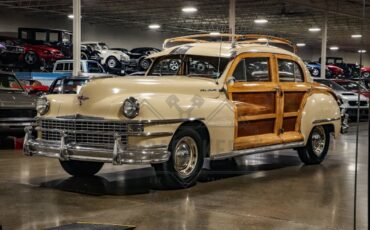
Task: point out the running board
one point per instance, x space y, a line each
251 151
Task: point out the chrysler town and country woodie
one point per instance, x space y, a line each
205 98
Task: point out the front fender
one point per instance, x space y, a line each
320 109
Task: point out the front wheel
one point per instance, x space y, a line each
317 146
187 155
366 75
315 72
81 168
112 62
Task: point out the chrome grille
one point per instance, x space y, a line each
84 132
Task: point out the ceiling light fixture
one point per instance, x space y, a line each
314 29
362 51
356 36
260 21
71 16
214 33
154 26
189 9
301 44
334 48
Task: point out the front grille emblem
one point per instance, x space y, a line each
82 98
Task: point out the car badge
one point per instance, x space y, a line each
82 98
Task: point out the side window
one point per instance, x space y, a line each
289 71
253 70
57 87
239 73
59 67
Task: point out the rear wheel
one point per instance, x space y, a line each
317 146
187 155
144 63
81 168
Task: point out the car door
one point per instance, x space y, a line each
253 88
295 89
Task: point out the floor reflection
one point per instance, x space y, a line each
142 180
135 181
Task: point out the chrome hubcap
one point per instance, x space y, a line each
185 156
174 65
111 63
318 140
30 58
315 72
145 64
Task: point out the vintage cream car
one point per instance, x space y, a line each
204 99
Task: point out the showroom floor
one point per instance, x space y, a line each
273 192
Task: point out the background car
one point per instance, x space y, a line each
353 86
332 71
365 72
88 68
138 60
17 108
348 100
111 58
68 85
34 87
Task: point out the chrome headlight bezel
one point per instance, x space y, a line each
131 107
42 105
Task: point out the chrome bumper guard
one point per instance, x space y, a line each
120 154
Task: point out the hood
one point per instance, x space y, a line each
44 47
142 87
16 100
351 96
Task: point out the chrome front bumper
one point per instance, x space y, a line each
119 154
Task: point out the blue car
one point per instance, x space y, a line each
315 69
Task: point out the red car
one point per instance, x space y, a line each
365 71
335 70
353 86
37 53
35 87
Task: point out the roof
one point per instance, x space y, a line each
218 49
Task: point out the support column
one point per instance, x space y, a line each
232 18
76 37
324 40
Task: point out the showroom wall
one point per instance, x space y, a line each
115 36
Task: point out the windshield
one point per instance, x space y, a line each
9 83
94 67
332 85
351 86
189 65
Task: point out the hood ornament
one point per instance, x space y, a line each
82 98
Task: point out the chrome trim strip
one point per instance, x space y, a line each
31 119
12 125
326 120
167 121
251 151
141 134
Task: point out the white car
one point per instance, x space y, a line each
112 58
348 99
88 68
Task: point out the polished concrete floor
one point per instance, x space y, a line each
266 191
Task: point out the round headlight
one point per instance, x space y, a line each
130 108
42 105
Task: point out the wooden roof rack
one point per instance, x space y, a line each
238 39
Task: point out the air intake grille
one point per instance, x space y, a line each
84 133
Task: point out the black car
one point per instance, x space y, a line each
17 108
138 60
10 53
